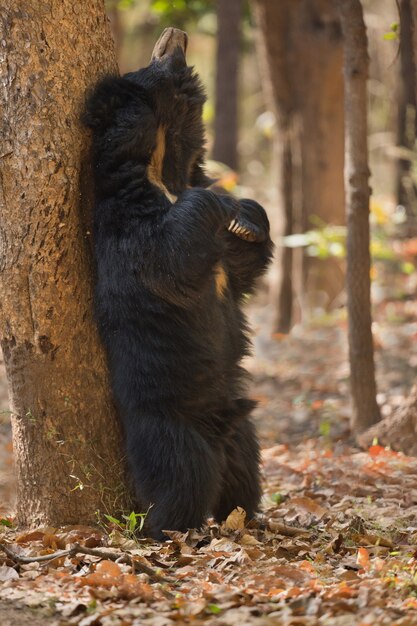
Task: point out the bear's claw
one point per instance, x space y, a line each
242 231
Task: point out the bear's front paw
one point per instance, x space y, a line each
251 224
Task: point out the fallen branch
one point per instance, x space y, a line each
102 554
18 558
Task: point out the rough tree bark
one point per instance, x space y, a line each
66 438
301 54
229 17
365 411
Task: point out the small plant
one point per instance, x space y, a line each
277 498
130 525
4 521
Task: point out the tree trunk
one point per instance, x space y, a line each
229 16
285 297
113 13
301 52
400 430
365 411
319 91
406 188
273 45
413 7
66 438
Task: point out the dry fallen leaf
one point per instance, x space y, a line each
224 544
106 574
363 558
235 520
7 573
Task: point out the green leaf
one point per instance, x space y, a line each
142 517
160 6
123 5
325 428
113 520
132 522
407 267
5 522
277 498
213 608
390 36
92 606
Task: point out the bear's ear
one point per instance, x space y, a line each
109 95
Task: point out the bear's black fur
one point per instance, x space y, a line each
170 282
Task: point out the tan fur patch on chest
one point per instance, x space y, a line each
220 279
156 165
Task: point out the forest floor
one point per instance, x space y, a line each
336 544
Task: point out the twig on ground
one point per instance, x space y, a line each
137 566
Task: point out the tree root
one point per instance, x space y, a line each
399 431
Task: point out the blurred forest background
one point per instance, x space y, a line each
275 133
251 117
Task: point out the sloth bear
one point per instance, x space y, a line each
174 260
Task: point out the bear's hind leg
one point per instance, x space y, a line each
240 482
175 472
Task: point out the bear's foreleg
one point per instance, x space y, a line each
247 259
188 245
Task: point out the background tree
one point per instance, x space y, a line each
229 14
400 429
229 17
66 438
365 410
301 55
407 122
113 12
274 52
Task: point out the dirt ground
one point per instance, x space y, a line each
12 614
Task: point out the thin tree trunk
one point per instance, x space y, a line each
284 317
229 17
116 27
407 124
400 430
301 55
413 7
318 83
66 438
361 355
273 48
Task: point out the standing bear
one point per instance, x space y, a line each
174 262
